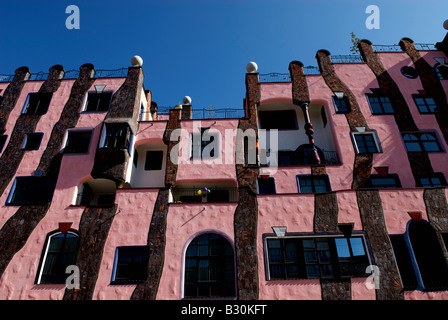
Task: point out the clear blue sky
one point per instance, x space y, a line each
200 48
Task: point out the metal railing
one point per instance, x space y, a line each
71 74
286 77
397 48
202 114
348 58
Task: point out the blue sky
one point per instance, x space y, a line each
200 48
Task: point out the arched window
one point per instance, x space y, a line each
209 267
59 252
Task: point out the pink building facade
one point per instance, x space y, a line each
345 199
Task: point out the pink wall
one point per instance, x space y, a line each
185 222
18 279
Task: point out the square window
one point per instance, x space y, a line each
425 104
266 185
154 160
32 141
341 105
313 184
37 103
78 142
31 191
98 102
279 119
116 136
380 104
131 264
366 142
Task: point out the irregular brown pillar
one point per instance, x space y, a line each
23 222
419 161
431 84
25 124
109 164
246 214
147 290
12 94
369 201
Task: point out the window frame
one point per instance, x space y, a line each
116 266
435 175
272 185
337 101
26 106
3 139
335 260
46 180
147 165
426 106
312 178
379 96
128 140
420 142
376 141
44 254
36 135
393 176
409 76
78 130
86 102
198 154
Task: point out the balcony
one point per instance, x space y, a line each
214 193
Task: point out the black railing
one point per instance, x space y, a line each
286 77
206 113
348 58
71 74
397 48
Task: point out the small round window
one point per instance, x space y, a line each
409 72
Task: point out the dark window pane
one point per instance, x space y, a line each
78 142
38 103
98 101
32 190
266 185
32 141
280 119
154 160
132 264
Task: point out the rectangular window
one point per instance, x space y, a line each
154 160
116 136
32 141
31 191
425 104
316 257
380 104
98 102
279 119
78 141
435 180
131 265
3 138
341 105
266 185
421 142
313 184
366 142
199 143
389 181
37 103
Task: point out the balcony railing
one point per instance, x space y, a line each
286 77
202 114
348 58
397 48
71 74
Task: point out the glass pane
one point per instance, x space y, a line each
326 270
290 251
313 271
203 251
308 243
204 270
292 272
431 146
277 272
275 255
324 256
310 256
342 247
357 246
413 146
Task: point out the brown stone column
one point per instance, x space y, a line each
156 242
25 124
109 164
246 213
431 84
